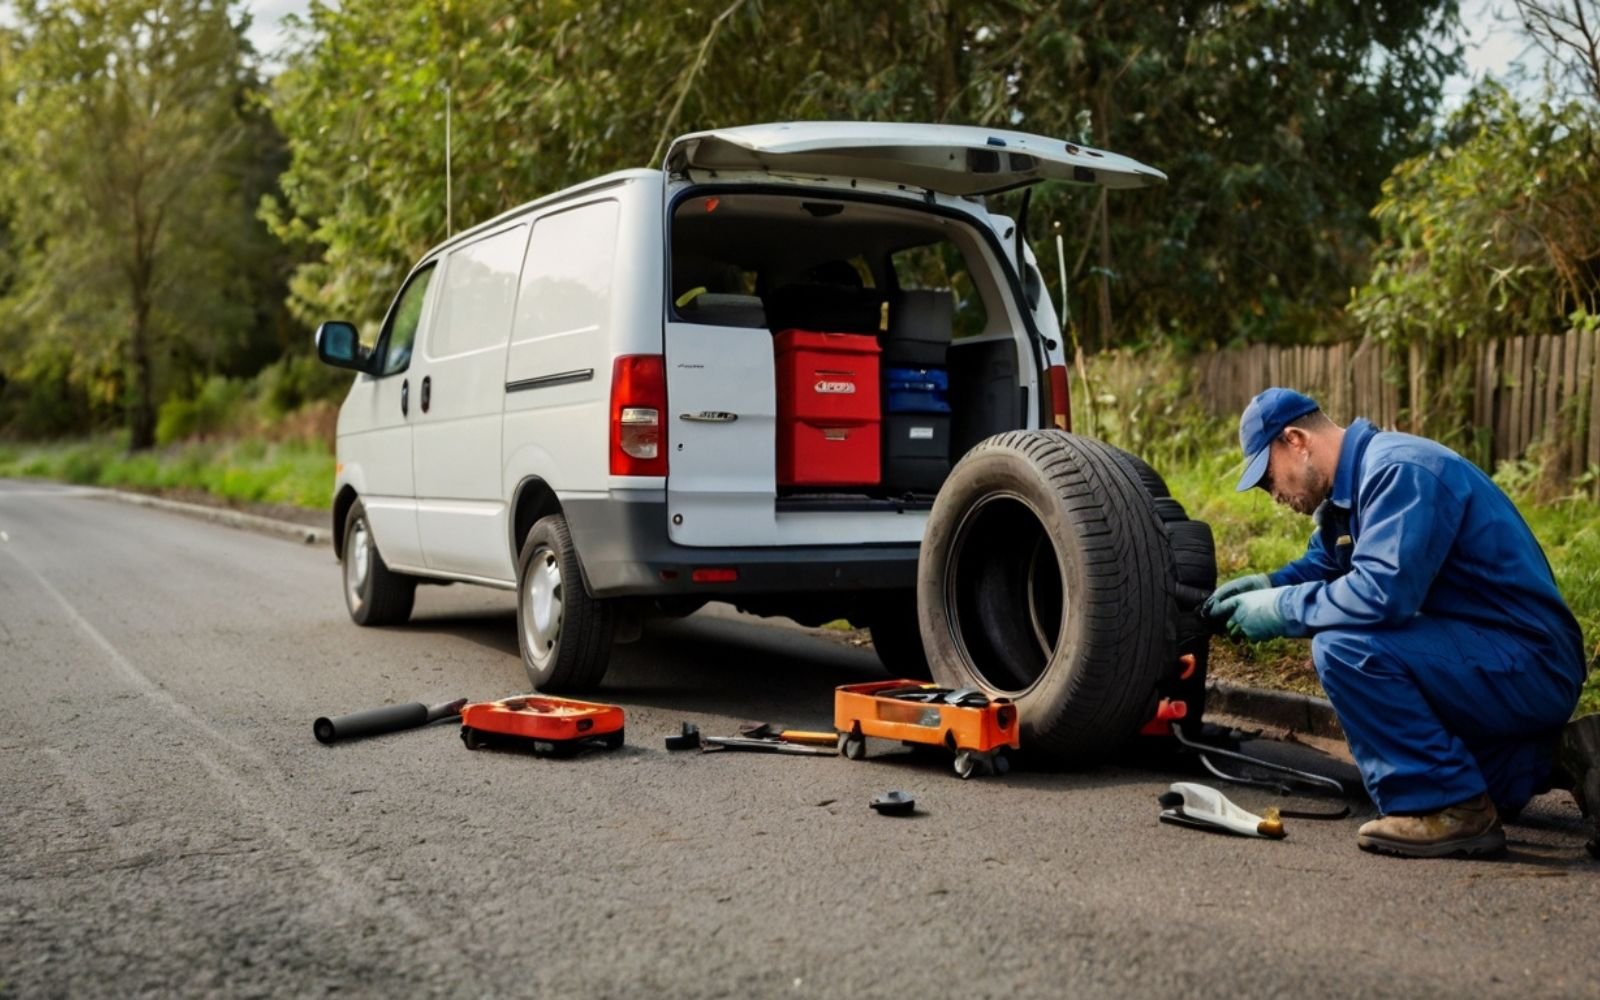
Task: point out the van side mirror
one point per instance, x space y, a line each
339 345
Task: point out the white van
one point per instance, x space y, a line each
581 400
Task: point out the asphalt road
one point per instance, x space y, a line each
169 826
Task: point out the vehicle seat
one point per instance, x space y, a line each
921 324
707 292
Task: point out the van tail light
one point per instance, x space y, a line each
639 415
1060 403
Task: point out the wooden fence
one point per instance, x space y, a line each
1493 400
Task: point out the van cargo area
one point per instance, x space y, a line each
893 346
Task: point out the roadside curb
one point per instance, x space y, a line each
302 533
1285 709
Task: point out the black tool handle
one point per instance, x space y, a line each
389 719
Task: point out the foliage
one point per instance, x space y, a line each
129 162
1493 232
296 473
1277 123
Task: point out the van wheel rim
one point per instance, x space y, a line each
541 606
358 562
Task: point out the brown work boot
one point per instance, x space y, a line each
1471 827
1579 757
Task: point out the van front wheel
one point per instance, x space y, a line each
375 594
565 634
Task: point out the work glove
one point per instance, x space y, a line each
1254 615
1238 585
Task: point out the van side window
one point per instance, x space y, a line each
400 333
564 308
478 295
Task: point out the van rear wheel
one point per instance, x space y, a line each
897 638
565 635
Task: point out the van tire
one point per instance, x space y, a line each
374 594
1194 553
564 634
897 638
1044 578
1194 571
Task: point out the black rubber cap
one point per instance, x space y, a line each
895 804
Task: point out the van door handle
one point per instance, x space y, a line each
427 390
405 397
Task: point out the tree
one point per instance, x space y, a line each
1276 121
1568 34
124 127
1492 233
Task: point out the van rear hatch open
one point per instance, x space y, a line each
951 159
767 223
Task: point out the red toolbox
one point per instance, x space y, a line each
828 409
557 726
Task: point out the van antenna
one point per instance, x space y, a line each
449 219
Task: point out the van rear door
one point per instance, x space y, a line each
950 159
721 434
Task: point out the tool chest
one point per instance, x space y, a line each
978 729
829 414
542 724
916 429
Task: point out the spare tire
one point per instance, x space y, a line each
1044 578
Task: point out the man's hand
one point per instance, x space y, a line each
1238 585
1254 615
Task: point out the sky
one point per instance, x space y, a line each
1492 45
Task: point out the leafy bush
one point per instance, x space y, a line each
295 473
1492 233
217 407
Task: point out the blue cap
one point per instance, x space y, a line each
1261 423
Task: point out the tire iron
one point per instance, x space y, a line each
713 743
768 731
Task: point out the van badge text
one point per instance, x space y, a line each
711 417
827 388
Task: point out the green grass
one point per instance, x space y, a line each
243 471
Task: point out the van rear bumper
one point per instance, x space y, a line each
625 552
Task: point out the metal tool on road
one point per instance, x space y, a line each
554 726
388 719
764 746
768 731
687 739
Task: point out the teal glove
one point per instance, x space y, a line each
1238 585
1254 615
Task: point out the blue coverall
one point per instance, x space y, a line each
1437 629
